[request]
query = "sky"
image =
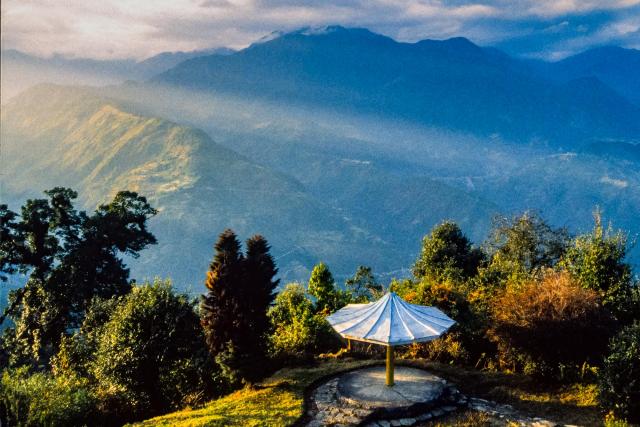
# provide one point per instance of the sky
(110, 29)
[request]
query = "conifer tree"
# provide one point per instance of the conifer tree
(323, 287)
(234, 311)
(219, 307)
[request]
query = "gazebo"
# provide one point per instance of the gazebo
(390, 321)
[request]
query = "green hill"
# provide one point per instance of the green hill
(55, 135)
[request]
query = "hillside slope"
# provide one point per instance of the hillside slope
(55, 135)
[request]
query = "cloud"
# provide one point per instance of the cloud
(121, 28)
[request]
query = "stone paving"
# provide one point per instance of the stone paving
(361, 398)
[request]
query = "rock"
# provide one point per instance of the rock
(384, 423)
(395, 423)
(407, 421)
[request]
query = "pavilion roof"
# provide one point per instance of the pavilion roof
(390, 321)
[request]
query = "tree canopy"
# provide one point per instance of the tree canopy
(69, 258)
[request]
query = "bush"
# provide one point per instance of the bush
(151, 356)
(619, 379)
(297, 330)
(597, 261)
(549, 327)
(465, 342)
(42, 399)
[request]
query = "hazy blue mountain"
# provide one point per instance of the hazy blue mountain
(56, 135)
(318, 206)
(452, 84)
(338, 145)
(617, 67)
(21, 70)
(399, 179)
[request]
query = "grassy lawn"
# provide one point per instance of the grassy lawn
(278, 401)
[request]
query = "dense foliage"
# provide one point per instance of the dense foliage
(135, 355)
(70, 257)
(90, 347)
(323, 288)
(298, 330)
(620, 377)
(549, 326)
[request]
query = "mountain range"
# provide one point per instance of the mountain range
(19, 70)
(452, 84)
(338, 145)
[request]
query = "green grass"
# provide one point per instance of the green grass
(568, 404)
(279, 400)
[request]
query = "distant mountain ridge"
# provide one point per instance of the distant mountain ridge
(339, 145)
(616, 67)
(453, 84)
(21, 70)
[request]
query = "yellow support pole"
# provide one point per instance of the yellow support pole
(390, 363)
(348, 344)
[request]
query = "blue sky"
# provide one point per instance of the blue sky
(549, 29)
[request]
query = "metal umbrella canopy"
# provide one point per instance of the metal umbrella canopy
(390, 321)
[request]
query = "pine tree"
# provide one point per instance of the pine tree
(234, 311)
(220, 306)
(323, 287)
(260, 272)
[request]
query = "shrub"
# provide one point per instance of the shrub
(465, 342)
(548, 326)
(151, 354)
(42, 399)
(619, 379)
(297, 330)
(597, 261)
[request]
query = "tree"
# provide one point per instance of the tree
(150, 355)
(259, 286)
(362, 286)
(447, 254)
(298, 331)
(526, 244)
(597, 261)
(69, 257)
(220, 307)
(322, 286)
(234, 310)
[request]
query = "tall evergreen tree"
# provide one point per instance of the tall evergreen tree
(322, 286)
(260, 270)
(219, 309)
(234, 310)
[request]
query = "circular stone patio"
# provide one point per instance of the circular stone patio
(361, 397)
(412, 386)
